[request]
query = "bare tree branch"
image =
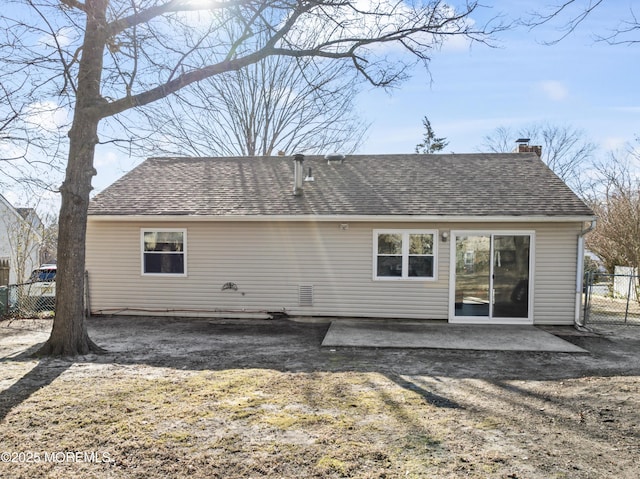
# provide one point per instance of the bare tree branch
(280, 103)
(144, 16)
(565, 149)
(571, 14)
(626, 28)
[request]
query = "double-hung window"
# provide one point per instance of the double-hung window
(404, 254)
(163, 252)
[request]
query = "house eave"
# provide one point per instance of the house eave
(346, 218)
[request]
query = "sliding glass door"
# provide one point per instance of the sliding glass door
(473, 272)
(491, 276)
(511, 276)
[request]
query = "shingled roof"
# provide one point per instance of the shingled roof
(504, 184)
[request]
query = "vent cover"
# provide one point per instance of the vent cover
(334, 158)
(305, 295)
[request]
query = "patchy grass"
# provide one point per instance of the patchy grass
(254, 422)
(221, 400)
(162, 422)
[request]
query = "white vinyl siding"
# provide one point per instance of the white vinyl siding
(270, 261)
(267, 261)
(555, 277)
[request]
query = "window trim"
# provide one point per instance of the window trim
(405, 254)
(184, 251)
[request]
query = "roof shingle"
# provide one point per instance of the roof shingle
(504, 184)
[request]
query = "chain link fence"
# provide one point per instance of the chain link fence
(36, 299)
(27, 300)
(611, 299)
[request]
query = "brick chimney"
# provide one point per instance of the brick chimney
(523, 146)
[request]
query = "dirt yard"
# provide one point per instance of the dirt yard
(194, 398)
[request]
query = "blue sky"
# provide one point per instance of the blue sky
(579, 82)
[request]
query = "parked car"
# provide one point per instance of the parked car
(42, 287)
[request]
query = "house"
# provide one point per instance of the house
(475, 238)
(625, 283)
(20, 240)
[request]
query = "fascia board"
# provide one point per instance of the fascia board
(345, 218)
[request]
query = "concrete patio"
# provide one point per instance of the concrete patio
(441, 335)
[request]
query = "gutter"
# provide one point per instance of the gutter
(342, 218)
(580, 269)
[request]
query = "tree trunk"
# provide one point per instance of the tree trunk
(69, 335)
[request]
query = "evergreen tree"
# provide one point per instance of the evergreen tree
(430, 144)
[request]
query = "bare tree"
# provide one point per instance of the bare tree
(277, 104)
(565, 149)
(29, 138)
(430, 143)
(500, 140)
(616, 202)
(107, 57)
(49, 247)
(570, 14)
(31, 126)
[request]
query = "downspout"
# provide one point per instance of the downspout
(580, 269)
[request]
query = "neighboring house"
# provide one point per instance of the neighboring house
(482, 238)
(625, 283)
(20, 240)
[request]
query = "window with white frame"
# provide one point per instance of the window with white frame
(404, 254)
(163, 251)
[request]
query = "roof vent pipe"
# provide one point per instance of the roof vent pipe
(309, 176)
(336, 158)
(297, 174)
